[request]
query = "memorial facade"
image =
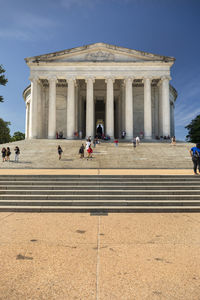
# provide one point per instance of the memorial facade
(76, 90)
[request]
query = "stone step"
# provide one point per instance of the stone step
(99, 192)
(100, 210)
(99, 187)
(75, 197)
(113, 183)
(104, 202)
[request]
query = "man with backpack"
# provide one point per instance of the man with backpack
(195, 154)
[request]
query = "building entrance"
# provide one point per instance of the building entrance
(100, 118)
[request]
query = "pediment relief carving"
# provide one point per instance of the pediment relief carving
(100, 56)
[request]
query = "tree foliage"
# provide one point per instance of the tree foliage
(4, 132)
(3, 79)
(193, 130)
(18, 136)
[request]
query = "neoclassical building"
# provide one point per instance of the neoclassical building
(121, 89)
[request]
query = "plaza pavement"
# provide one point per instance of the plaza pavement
(104, 257)
(118, 256)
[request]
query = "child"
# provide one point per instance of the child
(81, 151)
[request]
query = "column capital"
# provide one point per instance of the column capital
(52, 78)
(146, 78)
(70, 79)
(34, 78)
(107, 79)
(128, 79)
(89, 79)
(165, 78)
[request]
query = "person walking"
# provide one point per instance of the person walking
(195, 154)
(81, 151)
(8, 153)
(17, 153)
(173, 141)
(90, 151)
(134, 143)
(116, 142)
(3, 152)
(60, 151)
(137, 139)
(88, 144)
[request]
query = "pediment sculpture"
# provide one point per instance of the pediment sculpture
(100, 56)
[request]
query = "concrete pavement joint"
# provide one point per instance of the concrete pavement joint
(98, 261)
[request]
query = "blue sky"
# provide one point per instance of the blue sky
(166, 27)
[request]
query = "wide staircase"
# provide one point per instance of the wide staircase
(99, 194)
(42, 154)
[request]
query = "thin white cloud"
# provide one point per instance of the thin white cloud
(91, 3)
(27, 26)
(14, 33)
(188, 106)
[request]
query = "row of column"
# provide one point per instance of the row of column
(32, 117)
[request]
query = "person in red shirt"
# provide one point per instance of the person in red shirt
(90, 151)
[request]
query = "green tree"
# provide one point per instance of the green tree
(4, 132)
(193, 130)
(3, 80)
(18, 136)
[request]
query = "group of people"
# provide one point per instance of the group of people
(5, 152)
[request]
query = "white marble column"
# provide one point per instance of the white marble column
(40, 110)
(129, 108)
(160, 125)
(27, 120)
(156, 112)
(52, 108)
(110, 108)
(33, 109)
(71, 107)
(165, 106)
(76, 106)
(147, 109)
(122, 106)
(89, 107)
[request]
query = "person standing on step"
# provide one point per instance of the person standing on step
(88, 143)
(116, 142)
(17, 153)
(134, 143)
(81, 151)
(3, 152)
(195, 154)
(137, 139)
(60, 151)
(89, 151)
(8, 153)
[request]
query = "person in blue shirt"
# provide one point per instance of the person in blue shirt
(195, 154)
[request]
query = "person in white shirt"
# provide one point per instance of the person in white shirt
(137, 140)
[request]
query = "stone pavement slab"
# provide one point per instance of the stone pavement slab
(118, 256)
(96, 172)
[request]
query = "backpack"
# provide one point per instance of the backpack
(196, 155)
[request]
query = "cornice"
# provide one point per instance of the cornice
(102, 46)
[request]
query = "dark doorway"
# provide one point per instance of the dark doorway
(100, 115)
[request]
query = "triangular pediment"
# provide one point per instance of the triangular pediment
(99, 52)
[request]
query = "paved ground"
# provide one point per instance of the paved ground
(96, 171)
(119, 256)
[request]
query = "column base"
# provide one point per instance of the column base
(148, 137)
